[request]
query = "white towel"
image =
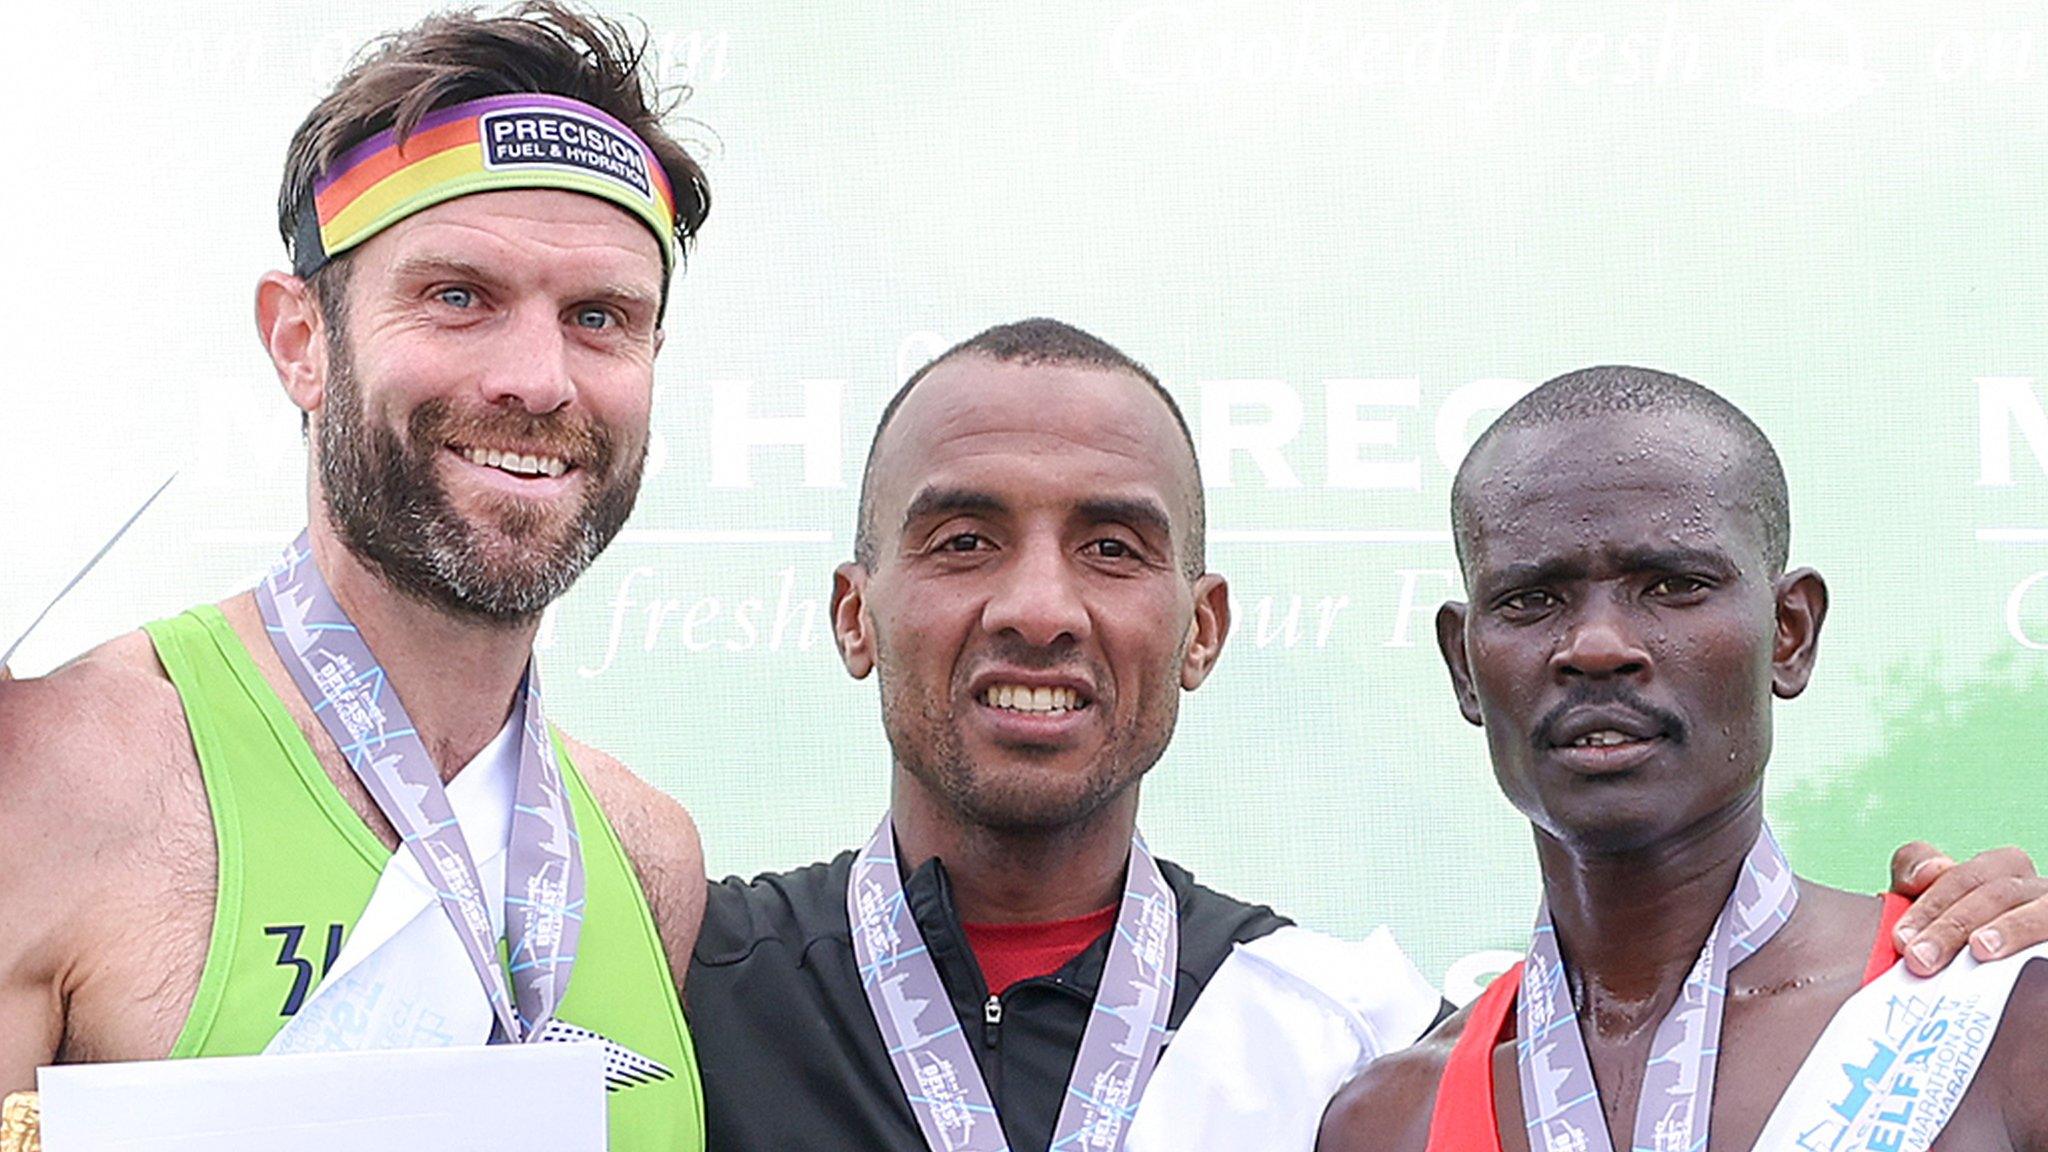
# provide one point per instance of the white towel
(1286, 1021)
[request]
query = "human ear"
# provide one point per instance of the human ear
(1802, 600)
(1450, 641)
(288, 322)
(852, 631)
(1207, 631)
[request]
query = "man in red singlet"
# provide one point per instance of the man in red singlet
(1623, 535)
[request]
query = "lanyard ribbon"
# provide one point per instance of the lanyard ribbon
(1121, 1044)
(333, 667)
(1560, 1101)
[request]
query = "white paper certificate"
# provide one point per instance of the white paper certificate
(546, 1097)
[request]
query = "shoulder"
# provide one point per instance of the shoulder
(792, 910)
(661, 841)
(97, 774)
(93, 740)
(1388, 1106)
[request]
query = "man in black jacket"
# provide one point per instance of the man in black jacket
(1029, 587)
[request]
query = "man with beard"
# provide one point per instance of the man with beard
(1001, 964)
(483, 218)
(1624, 536)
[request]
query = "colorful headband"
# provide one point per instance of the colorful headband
(526, 140)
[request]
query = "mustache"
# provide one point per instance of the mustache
(579, 440)
(1062, 655)
(1544, 735)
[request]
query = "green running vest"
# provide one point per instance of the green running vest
(297, 866)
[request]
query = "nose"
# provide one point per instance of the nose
(1600, 644)
(529, 365)
(1038, 597)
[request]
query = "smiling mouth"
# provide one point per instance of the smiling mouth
(1035, 701)
(513, 463)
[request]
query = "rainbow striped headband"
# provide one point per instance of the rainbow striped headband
(525, 140)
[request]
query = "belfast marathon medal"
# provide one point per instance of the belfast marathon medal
(333, 666)
(1560, 1102)
(1121, 1044)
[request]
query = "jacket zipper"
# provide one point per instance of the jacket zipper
(991, 1019)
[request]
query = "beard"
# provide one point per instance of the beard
(1024, 792)
(387, 503)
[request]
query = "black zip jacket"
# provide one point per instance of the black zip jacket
(792, 1060)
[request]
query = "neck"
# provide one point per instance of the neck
(1630, 924)
(1017, 876)
(457, 677)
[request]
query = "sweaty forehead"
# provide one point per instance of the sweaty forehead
(1065, 427)
(1608, 483)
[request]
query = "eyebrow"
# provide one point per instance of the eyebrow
(1665, 559)
(425, 267)
(1145, 515)
(931, 502)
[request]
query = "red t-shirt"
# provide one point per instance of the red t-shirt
(1008, 953)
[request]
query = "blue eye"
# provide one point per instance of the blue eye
(456, 297)
(595, 319)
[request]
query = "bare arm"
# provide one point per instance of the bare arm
(661, 840)
(1387, 1107)
(31, 1008)
(81, 752)
(2020, 1054)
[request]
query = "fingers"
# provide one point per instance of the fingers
(2018, 929)
(1982, 905)
(1916, 865)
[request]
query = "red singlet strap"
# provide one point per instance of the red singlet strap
(1463, 1119)
(1884, 953)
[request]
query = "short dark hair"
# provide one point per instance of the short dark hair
(1037, 340)
(540, 46)
(1616, 389)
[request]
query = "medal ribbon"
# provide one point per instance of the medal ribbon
(1559, 1098)
(1894, 1064)
(1119, 1048)
(333, 667)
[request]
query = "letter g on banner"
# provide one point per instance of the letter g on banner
(2029, 594)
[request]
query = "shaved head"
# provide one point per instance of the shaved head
(1026, 343)
(1593, 393)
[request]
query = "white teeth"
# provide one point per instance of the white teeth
(1020, 698)
(514, 463)
(1605, 738)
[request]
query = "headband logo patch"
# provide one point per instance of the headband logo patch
(522, 138)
